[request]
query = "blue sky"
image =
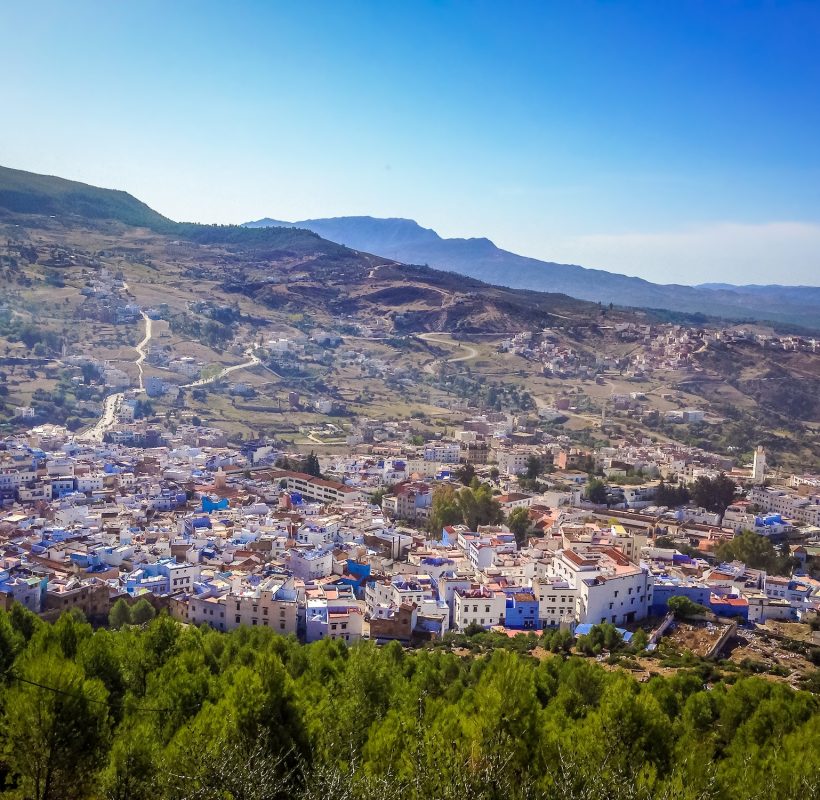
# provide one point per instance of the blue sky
(678, 141)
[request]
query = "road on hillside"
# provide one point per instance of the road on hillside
(112, 402)
(252, 361)
(431, 337)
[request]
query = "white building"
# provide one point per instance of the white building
(609, 587)
(443, 452)
(482, 606)
(311, 564)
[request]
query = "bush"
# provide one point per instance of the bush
(684, 608)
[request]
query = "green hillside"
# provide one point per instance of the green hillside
(46, 195)
(29, 193)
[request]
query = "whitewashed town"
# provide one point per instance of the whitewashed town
(399, 541)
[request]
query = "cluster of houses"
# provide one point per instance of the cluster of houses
(658, 348)
(220, 535)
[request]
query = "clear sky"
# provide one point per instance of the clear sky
(678, 141)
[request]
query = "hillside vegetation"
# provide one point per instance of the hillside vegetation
(46, 195)
(171, 711)
(405, 240)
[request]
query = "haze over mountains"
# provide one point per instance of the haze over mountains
(407, 241)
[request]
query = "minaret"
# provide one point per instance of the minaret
(759, 465)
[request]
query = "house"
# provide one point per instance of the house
(521, 611)
(409, 500)
(397, 626)
(480, 605)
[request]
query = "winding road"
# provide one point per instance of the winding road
(251, 362)
(141, 347)
(112, 402)
(431, 337)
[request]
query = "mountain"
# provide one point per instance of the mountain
(282, 267)
(405, 240)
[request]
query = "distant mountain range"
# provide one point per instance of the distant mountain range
(407, 241)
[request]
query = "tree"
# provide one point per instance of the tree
(55, 726)
(518, 522)
(600, 637)
(131, 771)
(23, 621)
(478, 506)
(639, 640)
(312, 465)
(596, 492)
(377, 496)
(714, 494)
(684, 608)
(533, 467)
(120, 614)
(444, 509)
(11, 641)
(755, 551)
(466, 473)
(142, 612)
(671, 495)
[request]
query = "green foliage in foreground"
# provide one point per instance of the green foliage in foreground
(167, 711)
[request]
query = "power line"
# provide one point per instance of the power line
(56, 690)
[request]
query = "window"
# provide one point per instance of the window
(265, 611)
(610, 606)
(616, 593)
(237, 619)
(282, 625)
(253, 621)
(487, 609)
(237, 605)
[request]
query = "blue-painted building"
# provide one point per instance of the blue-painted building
(209, 505)
(356, 575)
(522, 610)
(664, 590)
(729, 607)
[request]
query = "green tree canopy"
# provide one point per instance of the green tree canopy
(518, 521)
(714, 494)
(596, 491)
(755, 551)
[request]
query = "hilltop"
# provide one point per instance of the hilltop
(329, 276)
(406, 240)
